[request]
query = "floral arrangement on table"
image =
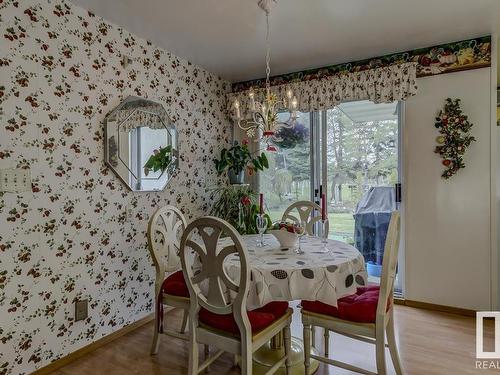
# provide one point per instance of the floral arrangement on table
(235, 159)
(454, 139)
(284, 226)
(287, 233)
(160, 160)
(288, 138)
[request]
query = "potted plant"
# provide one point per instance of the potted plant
(235, 159)
(288, 138)
(160, 160)
(238, 207)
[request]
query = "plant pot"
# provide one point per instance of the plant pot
(236, 179)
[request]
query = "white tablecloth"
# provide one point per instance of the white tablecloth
(316, 275)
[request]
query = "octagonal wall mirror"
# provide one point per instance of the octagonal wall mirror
(141, 144)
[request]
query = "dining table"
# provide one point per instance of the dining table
(323, 271)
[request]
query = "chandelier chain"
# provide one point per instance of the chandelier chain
(268, 55)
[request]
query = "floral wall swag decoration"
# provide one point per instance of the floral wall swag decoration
(454, 139)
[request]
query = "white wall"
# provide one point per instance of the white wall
(448, 251)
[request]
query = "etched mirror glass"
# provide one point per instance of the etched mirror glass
(141, 144)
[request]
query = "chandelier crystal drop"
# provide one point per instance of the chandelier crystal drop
(264, 115)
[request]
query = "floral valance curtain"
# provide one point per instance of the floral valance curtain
(380, 85)
(130, 119)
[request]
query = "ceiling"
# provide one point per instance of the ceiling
(227, 36)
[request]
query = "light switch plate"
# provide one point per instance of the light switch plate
(15, 180)
(81, 309)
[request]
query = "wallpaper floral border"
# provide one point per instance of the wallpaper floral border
(445, 58)
(80, 232)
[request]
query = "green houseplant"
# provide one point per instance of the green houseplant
(160, 160)
(238, 206)
(235, 159)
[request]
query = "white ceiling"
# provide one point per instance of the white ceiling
(227, 36)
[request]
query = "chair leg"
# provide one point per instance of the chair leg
(380, 349)
(206, 352)
(313, 336)
(246, 362)
(326, 336)
(184, 321)
(156, 334)
(307, 349)
(287, 337)
(391, 340)
(193, 353)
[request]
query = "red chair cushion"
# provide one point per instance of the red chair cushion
(360, 307)
(259, 318)
(175, 285)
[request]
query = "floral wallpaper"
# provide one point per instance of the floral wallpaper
(80, 233)
(444, 58)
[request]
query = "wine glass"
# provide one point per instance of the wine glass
(261, 223)
(324, 233)
(241, 219)
(300, 229)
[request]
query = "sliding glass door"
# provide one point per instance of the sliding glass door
(352, 154)
(361, 174)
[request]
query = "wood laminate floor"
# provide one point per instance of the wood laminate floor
(430, 343)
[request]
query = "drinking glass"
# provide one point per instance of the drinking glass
(261, 223)
(300, 230)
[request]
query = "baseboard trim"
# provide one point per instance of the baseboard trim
(57, 364)
(434, 307)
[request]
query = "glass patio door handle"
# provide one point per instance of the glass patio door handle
(397, 189)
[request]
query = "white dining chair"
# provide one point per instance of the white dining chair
(367, 316)
(164, 231)
(220, 320)
(304, 211)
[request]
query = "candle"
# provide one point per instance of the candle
(261, 203)
(237, 107)
(294, 106)
(323, 206)
(251, 94)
